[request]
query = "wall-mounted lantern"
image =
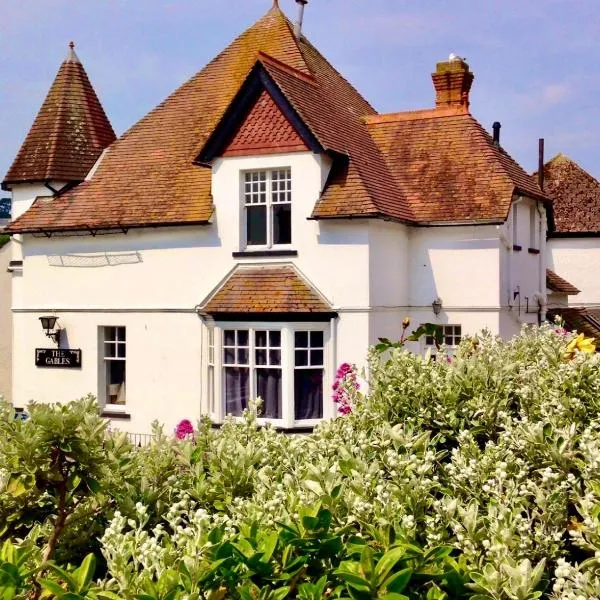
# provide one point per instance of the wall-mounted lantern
(437, 306)
(49, 324)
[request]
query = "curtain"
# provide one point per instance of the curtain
(268, 387)
(308, 393)
(237, 383)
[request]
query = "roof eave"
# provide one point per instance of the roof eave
(94, 229)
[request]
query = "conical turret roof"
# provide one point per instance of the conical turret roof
(69, 132)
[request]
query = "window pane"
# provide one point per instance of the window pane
(243, 354)
(308, 393)
(261, 357)
(260, 339)
(229, 337)
(115, 381)
(211, 389)
(121, 334)
(256, 225)
(242, 337)
(275, 339)
(301, 339)
(268, 388)
(448, 340)
(109, 334)
(301, 358)
(109, 350)
(282, 224)
(121, 350)
(429, 340)
(229, 356)
(274, 357)
(237, 390)
(316, 358)
(316, 339)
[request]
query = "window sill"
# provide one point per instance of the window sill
(297, 429)
(111, 414)
(517, 248)
(264, 253)
(533, 251)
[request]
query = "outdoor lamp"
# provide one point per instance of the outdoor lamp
(49, 323)
(437, 306)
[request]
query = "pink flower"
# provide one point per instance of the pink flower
(184, 429)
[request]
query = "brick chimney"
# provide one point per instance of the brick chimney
(452, 81)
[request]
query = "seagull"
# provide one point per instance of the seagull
(454, 58)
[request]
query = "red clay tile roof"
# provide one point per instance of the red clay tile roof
(449, 167)
(148, 177)
(556, 283)
(428, 166)
(266, 289)
(69, 133)
(575, 194)
(582, 320)
(265, 130)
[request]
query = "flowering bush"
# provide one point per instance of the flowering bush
(478, 478)
(184, 429)
(345, 388)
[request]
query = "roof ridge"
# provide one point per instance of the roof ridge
(501, 153)
(411, 115)
(270, 60)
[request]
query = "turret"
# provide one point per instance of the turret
(69, 134)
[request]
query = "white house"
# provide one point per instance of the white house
(574, 242)
(260, 226)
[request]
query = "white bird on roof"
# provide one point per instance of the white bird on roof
(454, 57)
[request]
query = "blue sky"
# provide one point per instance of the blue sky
(535, 61)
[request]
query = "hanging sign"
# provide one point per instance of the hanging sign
(58, 358)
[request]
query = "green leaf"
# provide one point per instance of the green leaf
(398, 581)
(387, 562)
(392, 596)
(280, 594)
(71, 583)
(354, 580)
(366, 563)
(51, 586)
(85, 572)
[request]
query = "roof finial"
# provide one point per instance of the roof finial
(72, 57)
(275, 3)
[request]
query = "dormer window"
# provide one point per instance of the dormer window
(268, 208)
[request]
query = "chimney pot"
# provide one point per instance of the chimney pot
(496, 128)
(298, 25)
(452, 81)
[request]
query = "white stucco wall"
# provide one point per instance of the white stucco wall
(523, 270)
(5, 324)
(460, 265)
(151, 280)
(578, 261)
(162, 369)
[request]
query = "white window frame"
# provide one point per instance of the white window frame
(288, 330)
(515, 224)
(269, 203)
(534, 242)
(450, 348)
(104, 359)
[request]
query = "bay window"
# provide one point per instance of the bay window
(268, 207)
(282, 364)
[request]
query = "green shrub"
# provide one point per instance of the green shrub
(475, 477)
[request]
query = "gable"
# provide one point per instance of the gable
(265, 130)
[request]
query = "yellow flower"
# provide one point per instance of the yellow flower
(406, 323)
(582, 344)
